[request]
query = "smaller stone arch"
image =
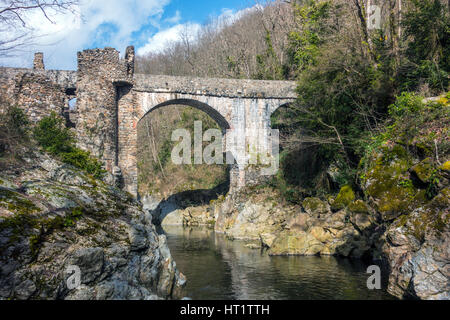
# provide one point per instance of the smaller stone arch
(278, 108)
(282, 104)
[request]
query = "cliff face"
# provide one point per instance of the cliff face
(54, 220)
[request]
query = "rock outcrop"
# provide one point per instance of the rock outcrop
(310, 229)
(54, 220)
(251, 215)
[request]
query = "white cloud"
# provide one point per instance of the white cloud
(175, 19)
(112, 22)
(160, 40)
(70, 33)
(165, 37)
(229, 16)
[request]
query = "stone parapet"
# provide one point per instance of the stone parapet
(64, 78)
(229, 88)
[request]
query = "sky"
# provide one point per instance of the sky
(146, 24)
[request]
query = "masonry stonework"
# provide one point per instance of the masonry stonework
(96, 125)
(38, 63)
(38, 95)
(111, 100)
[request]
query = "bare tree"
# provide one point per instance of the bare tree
(16, 31)
(227, 47)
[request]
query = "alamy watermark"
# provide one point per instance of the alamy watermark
(243, 146)
(74, 280)
(374, 17)
(374, 281)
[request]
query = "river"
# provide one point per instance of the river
(220, 269)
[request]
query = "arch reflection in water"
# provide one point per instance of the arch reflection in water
(217, 268)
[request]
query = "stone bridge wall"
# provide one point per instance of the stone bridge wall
(38, 92)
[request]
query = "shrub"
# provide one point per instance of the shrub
(82, 159)
(14, 129)
(55, 138)
(406, 103)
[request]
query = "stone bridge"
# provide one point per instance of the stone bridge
(111, 100)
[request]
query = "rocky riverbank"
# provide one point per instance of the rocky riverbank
(399, 220)
(52, 216)
(398, 223)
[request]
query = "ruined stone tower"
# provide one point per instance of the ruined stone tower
(100, 72)
(38, 63)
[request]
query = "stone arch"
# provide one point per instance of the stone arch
(278, 108)
(232, 170)
(283, 104)
(213, 113)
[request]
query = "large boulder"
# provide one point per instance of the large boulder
(296, 243)
(255, 217)
(418, 251)
(387, 182)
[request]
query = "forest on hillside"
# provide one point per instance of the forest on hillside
(357, 82)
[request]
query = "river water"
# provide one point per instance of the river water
(220, 269)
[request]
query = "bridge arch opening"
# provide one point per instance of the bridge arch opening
(299, 148)
(210, 111)
(178, 187)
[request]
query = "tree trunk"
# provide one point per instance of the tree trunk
(365, 28)
(399, 19)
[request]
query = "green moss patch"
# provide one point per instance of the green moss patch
(16, 203)
(445, 166)
(315, 206)
(389, 184)
(424, 170)
(358, 206)
(344, 198)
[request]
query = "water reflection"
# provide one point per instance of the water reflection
(217, 268)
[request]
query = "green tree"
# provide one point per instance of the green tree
(427, 32)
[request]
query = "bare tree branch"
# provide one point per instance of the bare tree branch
(15, 31)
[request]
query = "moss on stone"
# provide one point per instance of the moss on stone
(312, 203)
(401, 221)
(445, 166)
(428, 219)
(394, 153)
(16, 203)
(315, 206)
(424, 170)
(399, 200)
(35, 244)
(358, 206)
(388, 183)
(442, 200)
(344, 198)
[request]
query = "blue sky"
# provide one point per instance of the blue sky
(197, 12)
(146, 24)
